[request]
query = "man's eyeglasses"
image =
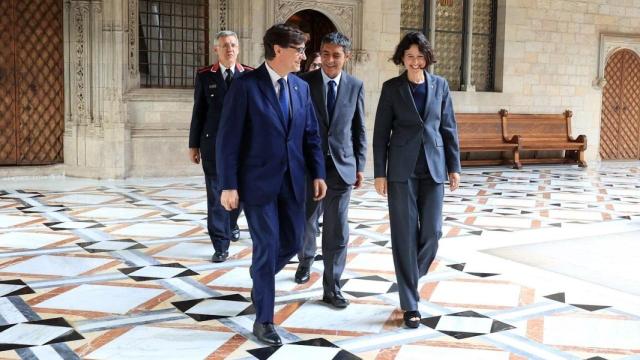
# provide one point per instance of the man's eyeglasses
(299, 49)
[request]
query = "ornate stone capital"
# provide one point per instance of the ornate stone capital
(360, 56)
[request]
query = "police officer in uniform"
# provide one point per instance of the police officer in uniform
(212, 84)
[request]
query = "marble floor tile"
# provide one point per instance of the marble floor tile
(178, 193)
(414, 352)
(56, 265)
(155, 230)
(113, 213)
(592, 332)
(7, 221)
(30, 240)
(356, 317)
(86, 199)
(101, 298)
(476, 293)
(157, 343)
(535, 263)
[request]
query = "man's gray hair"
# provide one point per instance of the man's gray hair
(225, 33)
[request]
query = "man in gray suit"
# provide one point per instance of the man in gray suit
(338, 99)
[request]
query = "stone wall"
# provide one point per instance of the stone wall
(550, 57)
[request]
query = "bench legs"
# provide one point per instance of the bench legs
(516, 159)
(576, 156)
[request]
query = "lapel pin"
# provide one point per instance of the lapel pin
(295, 87)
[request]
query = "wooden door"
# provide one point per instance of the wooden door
(620, 128)
(31, 82)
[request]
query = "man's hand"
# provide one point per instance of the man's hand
(319, 189)
(454, 181)
(359, 179)
(230, 199)
(194, 155)
(380, 184)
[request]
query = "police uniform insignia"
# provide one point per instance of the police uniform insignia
(213, 86)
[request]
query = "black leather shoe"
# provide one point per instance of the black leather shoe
(266, 333)
(235, 234)
(302, 274)
(336, 300)
(412, 319)
(220, 256)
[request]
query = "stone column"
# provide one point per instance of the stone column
(432, 25)
(468, 42)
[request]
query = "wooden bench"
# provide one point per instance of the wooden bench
(546, 132)
(486, 133)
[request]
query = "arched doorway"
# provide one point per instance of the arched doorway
(313, 23)
(620, 127)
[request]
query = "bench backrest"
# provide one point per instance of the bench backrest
(539, 126)
(478, 127)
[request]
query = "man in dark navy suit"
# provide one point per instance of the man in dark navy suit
(268, 136)
(212, 84)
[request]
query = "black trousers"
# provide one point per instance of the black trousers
(220, 222)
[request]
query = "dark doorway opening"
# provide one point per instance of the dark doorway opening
(316, 25)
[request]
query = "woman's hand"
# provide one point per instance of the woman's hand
(380, 184)
(454, 181)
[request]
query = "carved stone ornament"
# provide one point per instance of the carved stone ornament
(133, 38)
(360, 56)
(80, 14)
(341, 15)
(609, 44)
(222, 10)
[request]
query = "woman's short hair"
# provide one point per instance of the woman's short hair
(414, 38)
(283, 36)
(310, 59)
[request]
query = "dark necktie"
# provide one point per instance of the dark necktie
(283, 98)
(228, 78)
(331, 98)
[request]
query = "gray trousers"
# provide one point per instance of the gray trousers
(335, 228)
(415, 213)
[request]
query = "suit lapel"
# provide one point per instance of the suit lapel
(340, 97)
(318, 93)
(266, 87)
(429, 100)
(296, 102)
(405, 93)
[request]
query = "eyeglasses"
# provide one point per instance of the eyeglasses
(300, 50)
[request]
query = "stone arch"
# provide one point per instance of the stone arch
(345, 15)
(610, 44)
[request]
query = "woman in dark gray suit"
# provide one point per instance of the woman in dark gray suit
(415, 149)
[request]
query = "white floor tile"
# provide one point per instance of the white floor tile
(101, 298)
(154, 230)
(115, 213)
(32, 334)
(29, 240)
(154, 343)
(356, 317)
(56, 265)
(465, 324)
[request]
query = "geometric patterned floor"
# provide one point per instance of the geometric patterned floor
(534, 264)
